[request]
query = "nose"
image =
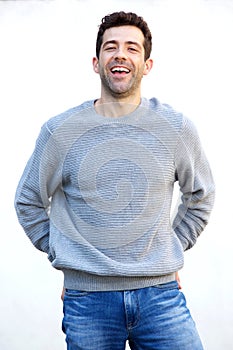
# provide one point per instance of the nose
(120, 54)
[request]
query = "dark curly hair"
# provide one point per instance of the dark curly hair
(122, 18)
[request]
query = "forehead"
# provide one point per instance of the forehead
(125, 33)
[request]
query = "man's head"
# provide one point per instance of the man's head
(122, 56)
(118, 19)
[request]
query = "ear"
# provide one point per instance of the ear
(148, 66)
(95, 64)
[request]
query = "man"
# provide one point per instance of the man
(96, 197)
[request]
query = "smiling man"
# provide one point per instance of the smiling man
(96, 196)
(121, 64)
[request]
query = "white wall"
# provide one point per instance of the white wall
(45, 68)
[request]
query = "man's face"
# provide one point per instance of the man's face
(121, 63)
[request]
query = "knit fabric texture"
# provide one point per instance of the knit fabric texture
(96, 195)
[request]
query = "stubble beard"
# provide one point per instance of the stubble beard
(121, 90)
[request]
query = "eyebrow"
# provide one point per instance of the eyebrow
(129, 42)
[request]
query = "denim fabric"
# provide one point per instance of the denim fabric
(153, 318)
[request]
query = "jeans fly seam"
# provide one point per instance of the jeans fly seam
(131, 309)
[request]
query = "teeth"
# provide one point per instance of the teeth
(120, 69)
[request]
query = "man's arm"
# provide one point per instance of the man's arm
(31, 210)
(196, 185)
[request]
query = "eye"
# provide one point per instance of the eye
(110, 48)
(132, 49)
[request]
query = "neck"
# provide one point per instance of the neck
(109, 106)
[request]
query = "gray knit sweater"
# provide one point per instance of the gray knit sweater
(96, 195)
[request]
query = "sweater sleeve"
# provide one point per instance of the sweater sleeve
(32, 210)
(196, 185)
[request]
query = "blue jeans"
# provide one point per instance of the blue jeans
(153, 318)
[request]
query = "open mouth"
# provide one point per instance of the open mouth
(120, 70)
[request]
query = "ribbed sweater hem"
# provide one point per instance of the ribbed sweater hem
(83, 281)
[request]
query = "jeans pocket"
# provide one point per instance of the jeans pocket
(73, 293)
(167, 286)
